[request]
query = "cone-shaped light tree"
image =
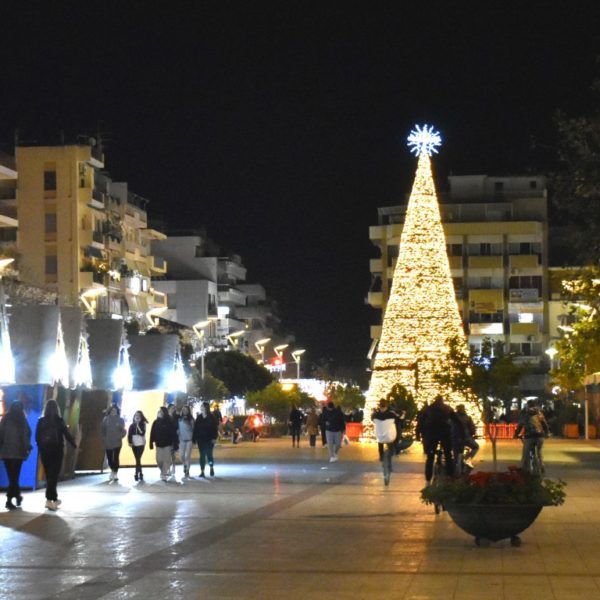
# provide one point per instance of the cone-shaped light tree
(421, 314)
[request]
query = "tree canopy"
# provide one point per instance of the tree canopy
(277, 402)
(347, 397)
(239, 373)
(209, 389)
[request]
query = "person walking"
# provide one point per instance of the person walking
(174, 415)
(312, 426)
(435, 428)
(335, 427)
(163, 435)
(15, 446)
(295, 424)
(463, 436)
(206, 431)
(535, 429)
(386, 432)
(185, 426)
(113, 432)
(136, 436)
(322, 427)
(50, 435)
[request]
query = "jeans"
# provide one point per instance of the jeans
(13, 470)
(528, 445)
(185, 452)
(206, 455)
(112, 456)
(429, 445)
(295, 431)
(312, 440)
(334, 441)
(163, 460)
(52, 462)
(137, 453)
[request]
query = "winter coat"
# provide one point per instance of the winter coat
(205, 429)
(15, 440)
(113, 431)
(296, 418)
(135, 429)
(185, 430)
(334, 419)
(163, 433)
(312, 423)
(384, 422)
(51, 433)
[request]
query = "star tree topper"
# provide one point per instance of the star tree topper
(424, 139)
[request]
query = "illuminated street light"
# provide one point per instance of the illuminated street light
(88, 298)
(279, 352)
(234, 338)
(153, 313)
(260, 346)
(551, 352)
(199, 328)
(297, 356)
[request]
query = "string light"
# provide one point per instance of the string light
(421, 314)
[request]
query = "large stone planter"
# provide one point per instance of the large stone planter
(493, 522)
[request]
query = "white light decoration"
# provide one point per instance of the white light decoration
(176, 379)
(7, 363)
(424, 140)
(122, 377)
(58, 363)
(421, 315)
(82, 375)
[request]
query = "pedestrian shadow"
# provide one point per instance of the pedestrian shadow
(587, 459)
(50, 527)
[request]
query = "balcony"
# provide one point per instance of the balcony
(229, 295)
(8, 168)
(158, 264)
(486, 328)
(456, 262)
(376, 265)
(526, 329)
(523, 295)
(485, 262)
(486, 300)
(159, 299)
(375, 299)
(231, 270)
(95, 239)
(524, 261)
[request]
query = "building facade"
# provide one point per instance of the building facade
(82, 234)
(496, 232)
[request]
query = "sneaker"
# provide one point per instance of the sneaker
(10, 505)
(51, 505)
(202, 475)
(163, 477)
(115, 476)
(111, 477)
(212, 472)
(19, 500)
(58, 502)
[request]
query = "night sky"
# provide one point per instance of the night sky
(280, 127)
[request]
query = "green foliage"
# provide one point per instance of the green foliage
(402, 400)
(209, 389)
(239, 373)
(276, 402)
(490, 378)
(346, 397)
(507, 488)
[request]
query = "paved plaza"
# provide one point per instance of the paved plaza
(278, 522)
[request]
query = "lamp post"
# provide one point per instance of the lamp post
(551, 352)
(234, 338)
(153, 313)
(297, 356)
(260, 346)
(199, 328)
(88, 298)
(279, 352)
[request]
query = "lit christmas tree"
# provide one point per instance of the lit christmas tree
(421, 314)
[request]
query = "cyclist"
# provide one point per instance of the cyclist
(434, 427)
(535, 428)
(384, 420)
(463, 436)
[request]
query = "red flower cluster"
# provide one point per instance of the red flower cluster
(482, 479)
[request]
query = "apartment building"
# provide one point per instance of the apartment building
(82, 234)
(8, 205)
(497, 239)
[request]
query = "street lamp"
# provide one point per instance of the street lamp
(279, 352)
(297, 356)
(551, 352)
(154, 312)
(199, 328)
(260, 346)
(234, 338)
(88, 298)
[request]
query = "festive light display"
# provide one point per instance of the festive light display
(176, 379)
(123, 377)
(421, 314)
(58, 363)
(424, 139)
(82, 375)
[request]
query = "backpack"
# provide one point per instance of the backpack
(534, 425)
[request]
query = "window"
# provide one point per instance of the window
(51, 264)
(50, 223)
(454, 249)
(485, 282)
(50, 180)
(533, 185)
(498, 186)
(82, 175)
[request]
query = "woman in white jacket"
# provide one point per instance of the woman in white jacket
(384, 422)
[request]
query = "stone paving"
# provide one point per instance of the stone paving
(279, 522)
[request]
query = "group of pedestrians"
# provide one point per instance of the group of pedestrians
(171, 432)
(15, 446)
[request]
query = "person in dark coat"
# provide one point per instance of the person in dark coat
(164, 436)
(335, 427)
(435, 427)
(295, 424)
(50, 435)
(206, 432)
(15, 446)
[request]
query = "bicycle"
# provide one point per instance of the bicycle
(533, 462)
